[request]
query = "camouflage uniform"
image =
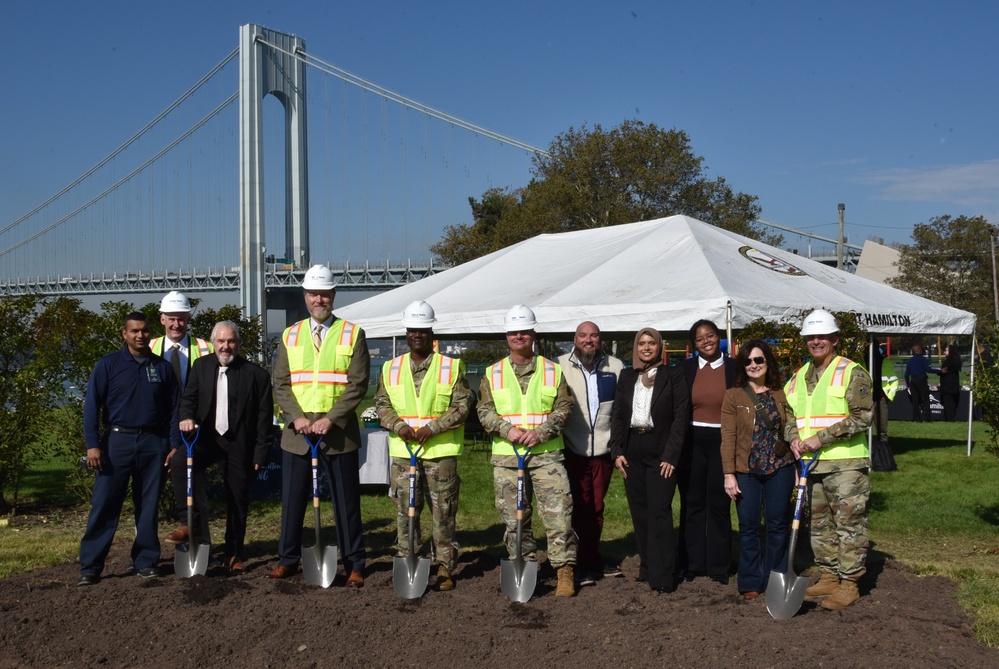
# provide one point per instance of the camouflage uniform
(839, 489)
(437, 478)
(544, 475)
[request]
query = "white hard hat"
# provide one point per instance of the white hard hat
(419, 315)
(819, 322)
(174, 303)
(319, 277)
(519, 318)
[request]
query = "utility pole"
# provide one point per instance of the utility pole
(995, 285)
(839, 245)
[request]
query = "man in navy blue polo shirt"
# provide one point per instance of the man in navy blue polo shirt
(129, 424)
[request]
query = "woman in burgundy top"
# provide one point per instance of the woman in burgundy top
(705, 508)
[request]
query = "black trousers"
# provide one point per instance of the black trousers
(650, 499)
(705, 509)
(296, 495)
(919, 395)
(237, 475)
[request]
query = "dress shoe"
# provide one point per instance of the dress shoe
(641, 579)
(751, 595)
(178, 536)
(236, 566)
(355, 580)
(282, 571)
(665, 589)
(88, 579)
(721, 579)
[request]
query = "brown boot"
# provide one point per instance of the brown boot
(445, 581)
(825, 586)
(566, 584)
(845, 595)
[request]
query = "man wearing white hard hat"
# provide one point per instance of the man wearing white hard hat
(423, 399)
(180, 349)
(177, 347)
(524, 402)
(831, 402)
(320, 376)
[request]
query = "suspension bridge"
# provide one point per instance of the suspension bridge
(252, 175)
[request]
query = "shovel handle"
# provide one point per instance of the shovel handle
(189, 445)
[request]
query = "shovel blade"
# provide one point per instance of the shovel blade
(319, 565)
(410, 576)
(785, 594)
(191, 559)
(518, 578)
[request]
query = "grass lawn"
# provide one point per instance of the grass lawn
(938, 514)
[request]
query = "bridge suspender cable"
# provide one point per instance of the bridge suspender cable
(127, 143)
(372, 87)
(232, 98)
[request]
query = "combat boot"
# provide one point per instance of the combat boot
(825, 586)
(445, 581)
(566, 583)
(845, 595)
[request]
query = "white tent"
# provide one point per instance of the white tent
(665, 274)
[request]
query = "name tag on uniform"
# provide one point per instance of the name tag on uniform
(153, 374)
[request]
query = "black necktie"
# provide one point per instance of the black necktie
(173, 357)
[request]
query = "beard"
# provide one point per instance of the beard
(587, 358)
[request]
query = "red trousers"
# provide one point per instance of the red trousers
(589, 479)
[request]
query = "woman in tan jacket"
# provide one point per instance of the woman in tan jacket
(757, 463)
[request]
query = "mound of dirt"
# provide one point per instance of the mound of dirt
(219, 620)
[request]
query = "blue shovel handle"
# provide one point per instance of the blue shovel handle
(412, 473)
(189, 445)
(314, 445)
(802, 482)
(521, 459)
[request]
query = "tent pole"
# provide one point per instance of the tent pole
(971, 388)
(728, 326)
(870, 370)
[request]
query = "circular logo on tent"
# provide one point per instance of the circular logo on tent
(770, 262)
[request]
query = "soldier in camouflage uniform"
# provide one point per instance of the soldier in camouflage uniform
(423, 398)
(832, 402)
(524, 403)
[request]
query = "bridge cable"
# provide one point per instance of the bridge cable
(160, 154)
(399, 98)
(128, 142)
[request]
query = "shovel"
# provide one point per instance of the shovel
(191, 559)
(318, 563)
(410, 573)
(786, 590)
(518, 577)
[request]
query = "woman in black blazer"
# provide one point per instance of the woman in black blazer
(705, 508)
(647, 429)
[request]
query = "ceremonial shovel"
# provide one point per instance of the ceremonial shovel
(318, 563)
(786, 590)
(518, 577)
(410, 573)
(191, 559)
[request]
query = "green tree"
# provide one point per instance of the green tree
(597, 178)
(949, 262)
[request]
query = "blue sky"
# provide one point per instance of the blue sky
(889, 107)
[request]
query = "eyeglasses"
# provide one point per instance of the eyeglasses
(758, 360)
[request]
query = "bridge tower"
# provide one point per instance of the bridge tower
(267, 66)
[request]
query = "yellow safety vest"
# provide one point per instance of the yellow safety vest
(529, 409)
(825, 407)
(418, 410)
(318, 381)
(201, 348)
(889, 384)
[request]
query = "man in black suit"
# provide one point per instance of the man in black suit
(230, 398)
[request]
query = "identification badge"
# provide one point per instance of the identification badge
(153, 374)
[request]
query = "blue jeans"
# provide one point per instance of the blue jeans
(773, 494)
(135, 457)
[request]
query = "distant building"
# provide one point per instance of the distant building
(878, 262)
